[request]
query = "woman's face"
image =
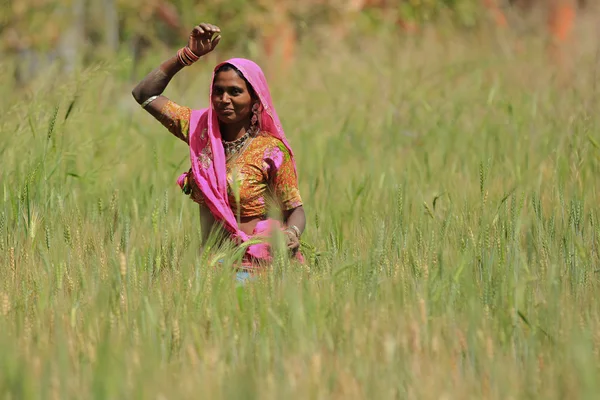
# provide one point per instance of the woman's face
(231, 98)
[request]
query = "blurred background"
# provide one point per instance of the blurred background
(72, 33)
(448, 157)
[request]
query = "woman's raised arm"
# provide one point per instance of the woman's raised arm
(148, 93)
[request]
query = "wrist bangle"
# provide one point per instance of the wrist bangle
(186, 56)
(181, 58)
(148, 101)
(294, 228)
(190, 54)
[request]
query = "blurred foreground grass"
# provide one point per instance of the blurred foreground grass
(452, 197)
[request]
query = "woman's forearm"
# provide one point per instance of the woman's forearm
(297, 218)
(202, 40)
(156, 81)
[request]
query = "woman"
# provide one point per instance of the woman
(241, 160)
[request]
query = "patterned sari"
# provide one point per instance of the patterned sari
(264, 174)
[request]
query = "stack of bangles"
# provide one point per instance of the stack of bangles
(294, 230)
(186, 56)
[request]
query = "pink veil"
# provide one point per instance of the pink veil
(208, 158)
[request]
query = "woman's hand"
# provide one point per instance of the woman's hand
(201, 39)
(295, 220)
(293, 241)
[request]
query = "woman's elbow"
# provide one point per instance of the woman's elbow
(137, 94)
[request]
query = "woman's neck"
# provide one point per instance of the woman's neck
(230, 132)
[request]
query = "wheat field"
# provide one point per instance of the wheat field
(452, 242)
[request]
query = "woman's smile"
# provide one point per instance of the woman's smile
(226, 111)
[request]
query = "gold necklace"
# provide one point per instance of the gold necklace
(236, 145)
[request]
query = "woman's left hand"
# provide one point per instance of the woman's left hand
(293, 241)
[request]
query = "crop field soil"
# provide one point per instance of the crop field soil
(452, 241)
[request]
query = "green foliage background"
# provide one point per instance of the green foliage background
(38, 23)
(451, 189)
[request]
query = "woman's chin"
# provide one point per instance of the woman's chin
(226, 118)
(223, 119)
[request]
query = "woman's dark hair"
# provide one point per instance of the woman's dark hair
(229, 67)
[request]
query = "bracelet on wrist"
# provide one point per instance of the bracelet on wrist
(186, 56)
(294, 229)
(148, 101)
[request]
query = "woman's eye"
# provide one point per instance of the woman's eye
(236, 92)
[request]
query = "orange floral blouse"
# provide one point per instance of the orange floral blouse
(264, 172)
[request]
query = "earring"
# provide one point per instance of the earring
(254, 120)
